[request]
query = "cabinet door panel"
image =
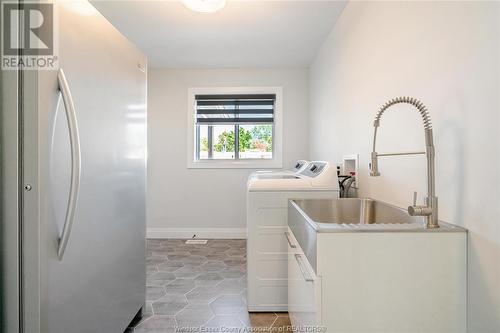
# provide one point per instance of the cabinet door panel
(304, 289)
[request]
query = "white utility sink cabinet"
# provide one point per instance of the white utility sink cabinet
(369, 281)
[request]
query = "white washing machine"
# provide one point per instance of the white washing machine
(297, 167)
(267, 244)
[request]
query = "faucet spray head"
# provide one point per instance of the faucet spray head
(374, 165)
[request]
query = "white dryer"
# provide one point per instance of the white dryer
(297, 167)
(267, 244)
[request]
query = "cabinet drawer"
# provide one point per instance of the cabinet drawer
(304, 290)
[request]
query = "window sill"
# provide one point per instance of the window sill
(221, 164)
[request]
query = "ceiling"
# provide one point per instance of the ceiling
(273, 33)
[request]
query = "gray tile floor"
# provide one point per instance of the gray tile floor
(193, 286)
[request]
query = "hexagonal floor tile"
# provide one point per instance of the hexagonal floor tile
(199, 251)
(169, 305)
(235, 261)
(261, 319)
(282, 324)
(243, 295)
(170, 266)
(208, 279)
(188, 271)
(158, 254)
(154, 293)
(179, 286)
(223, 323)
(154, 260)
(232, 273)
(218, 246)
(194, 315)
(194, 260)
(230, 286)
(227, 305)
(169, 249)
(157, 324)
(202, 294)
(153, 246)
(151, 268)
(213, 266)
(159, 279)
(201, 289)
(178, 256)
(217, 256)
(236, 252)
(221, 249)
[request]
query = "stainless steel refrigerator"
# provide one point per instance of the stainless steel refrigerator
(73, 182)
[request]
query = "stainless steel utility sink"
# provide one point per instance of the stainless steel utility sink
(354, 211)
(308, 218)
(357, 214)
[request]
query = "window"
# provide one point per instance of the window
(238, 129)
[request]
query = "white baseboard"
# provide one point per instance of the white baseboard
(207, 233)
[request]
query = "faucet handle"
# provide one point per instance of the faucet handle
(414, 210)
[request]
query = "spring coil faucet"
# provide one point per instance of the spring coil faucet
(430, 209)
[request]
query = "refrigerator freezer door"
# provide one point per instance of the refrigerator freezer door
(99, 283)
(9, 202)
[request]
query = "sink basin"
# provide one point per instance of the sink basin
(359, 214)
(309, 218)
(354, 211)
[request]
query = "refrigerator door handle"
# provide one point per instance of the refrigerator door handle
(74, 138)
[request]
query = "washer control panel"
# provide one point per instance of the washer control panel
(314, 169)
(299, 166)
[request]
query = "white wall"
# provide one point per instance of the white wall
(446, 54)
(197, 199)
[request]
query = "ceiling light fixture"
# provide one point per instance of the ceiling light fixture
(204, 6)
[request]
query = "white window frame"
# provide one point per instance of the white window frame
(275, 163)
